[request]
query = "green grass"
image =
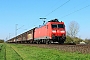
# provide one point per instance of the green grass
(11, 54)
(2, 51)
(35, 53)
(7, 53)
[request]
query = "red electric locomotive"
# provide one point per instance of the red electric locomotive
(52, 31)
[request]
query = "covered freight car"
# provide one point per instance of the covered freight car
(26, 37)
(30, 35)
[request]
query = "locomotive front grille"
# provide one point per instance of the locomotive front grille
(58, 38)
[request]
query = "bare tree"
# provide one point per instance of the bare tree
(73, 29)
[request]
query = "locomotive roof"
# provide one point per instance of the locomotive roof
(54, 20)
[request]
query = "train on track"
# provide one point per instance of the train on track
(52, 31)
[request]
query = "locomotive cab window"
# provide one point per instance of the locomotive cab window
(58, 25)
(61, 25)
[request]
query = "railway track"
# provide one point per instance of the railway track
(69, 48)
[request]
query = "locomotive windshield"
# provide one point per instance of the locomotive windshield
(58, 26)
(61, 25)
(54, 26)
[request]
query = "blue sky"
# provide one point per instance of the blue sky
(28, 12)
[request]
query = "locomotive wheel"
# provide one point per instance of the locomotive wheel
(36, 42)
(48, 42)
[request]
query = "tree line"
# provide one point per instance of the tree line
(1, 41)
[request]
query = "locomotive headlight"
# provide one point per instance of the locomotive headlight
(62, 31)
(54, 31)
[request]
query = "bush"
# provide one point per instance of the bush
(68, 39)
(87, 41)
(75, 40)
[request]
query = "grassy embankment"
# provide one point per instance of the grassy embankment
(35, 53)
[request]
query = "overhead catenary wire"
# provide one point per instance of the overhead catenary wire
(77, 5)
(75, 11)
(57, 8)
